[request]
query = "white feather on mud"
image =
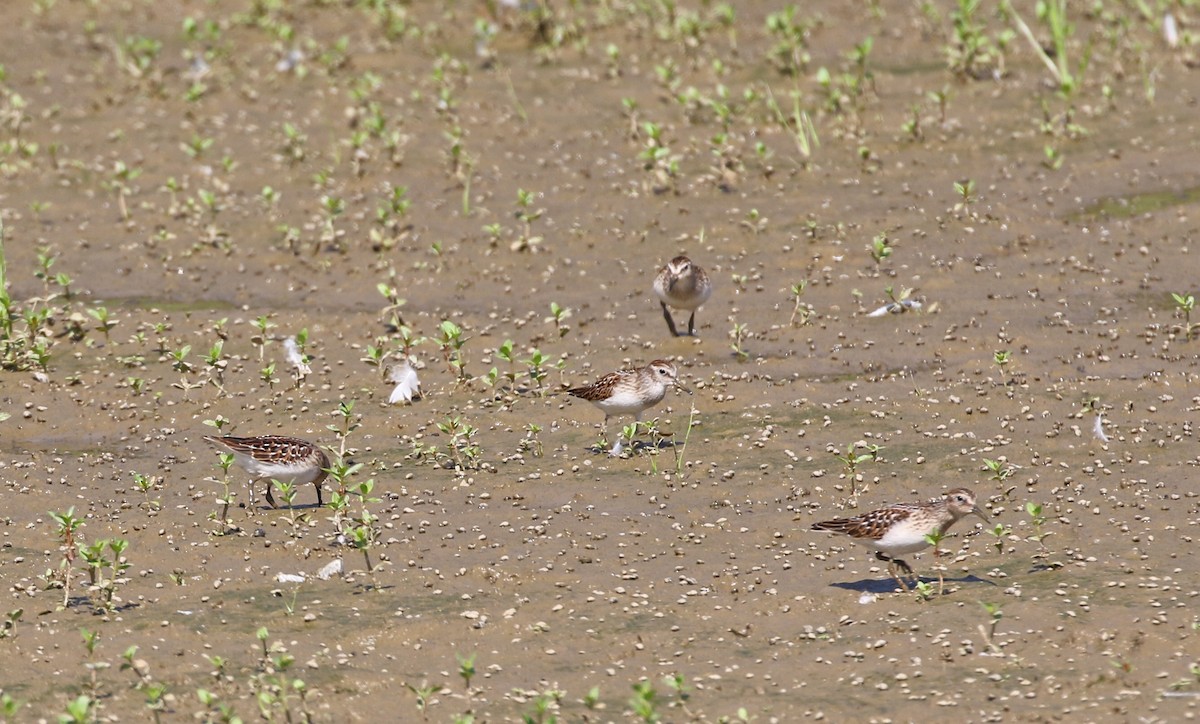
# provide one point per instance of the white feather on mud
(295, 357)
(407, 384)
(1098, 429)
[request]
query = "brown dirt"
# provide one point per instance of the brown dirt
(568, 570)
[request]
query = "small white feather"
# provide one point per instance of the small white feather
(330, 569)
(1170, 31)
(895, 308)
(1098, 429)
(294, 357)
(407, 384)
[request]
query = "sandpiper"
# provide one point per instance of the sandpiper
(682, 285)
(630, 392)
(901, 528)
(275, 457)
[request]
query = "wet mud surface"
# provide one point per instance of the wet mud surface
(214, 178)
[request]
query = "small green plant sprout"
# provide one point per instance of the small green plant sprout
(91, 639)
(155, 692)
(451, 343)
(912, 127)
(627, 435)
(966, 196)
(526, 214)
(755, 222)
(425, 693)
(1000, 531)
(147, 484)
(466, 670)
(935, 539)
(643, 702)
(881, 248)
(119, 182)
(546, 704)
(790, 33)
(1185, 304)
(988, 631)
(659, 161)
(506, 352)
(1002, 358)
(390, 314)
(970, 53)
(532, 441)
(463, 453)
(8, 629)
(998, 470)
(79, 711)
(103, 322)
(1038, 520)
(216, 363)
(333, 206)
(102, 555)
(1052, 158)
(66, 528)
(536, 367)
(494, 232)
(224, 461)
(739, 333)
(262, 326)
(361, 531)
(267, 375)
(800, 309)
(9, 707)
(592, 698)
(559, 315)
(45, 259)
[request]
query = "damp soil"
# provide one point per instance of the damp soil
(196, 167)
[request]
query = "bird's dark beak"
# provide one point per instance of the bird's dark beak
(979, 511)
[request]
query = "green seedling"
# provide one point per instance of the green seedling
(880, 248)
(800, 308)
(966, 196)
(532, 442)
(424, 693)
(451, 343)
(1038, 520)
(67, 526)
(224, 461)
(643, 702)
(739, 333)
(1000, 531)
(989, 632)
(535, 365)
(8, 629)
(998, 470)
(146, 484)
(559, 315)
(1002, 358)
(1186, 304)
(466, 670)
(790, 33)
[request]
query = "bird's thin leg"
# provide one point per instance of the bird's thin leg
(270, 498)
(317, 485)
(893, 564)
(670, 320)
(692, 324)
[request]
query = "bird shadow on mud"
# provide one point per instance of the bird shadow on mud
(888, 585)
